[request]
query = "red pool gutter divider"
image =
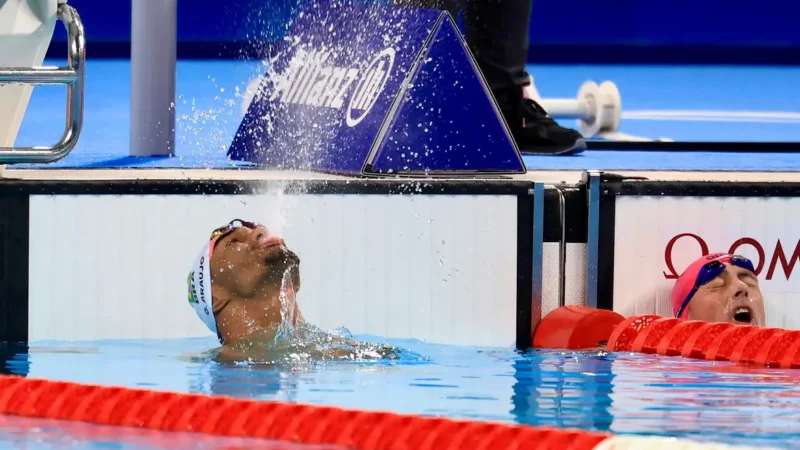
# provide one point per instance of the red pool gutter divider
(580, 327)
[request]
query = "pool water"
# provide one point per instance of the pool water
(20, 432)
(619, 393)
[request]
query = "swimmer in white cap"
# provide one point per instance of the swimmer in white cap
(249, 269)
(243, 286)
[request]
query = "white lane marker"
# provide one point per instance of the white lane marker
(713, 116)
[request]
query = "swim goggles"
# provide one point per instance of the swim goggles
(224, 230)
(712, 270)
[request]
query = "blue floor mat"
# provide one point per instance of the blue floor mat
(661, 102)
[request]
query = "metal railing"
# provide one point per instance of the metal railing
(72, 76)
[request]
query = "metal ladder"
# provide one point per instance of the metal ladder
(72, 76)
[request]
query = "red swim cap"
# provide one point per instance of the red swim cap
(688, 278)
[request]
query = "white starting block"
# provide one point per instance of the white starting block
(26, 29)
(598, 108)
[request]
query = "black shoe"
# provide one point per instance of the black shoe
(536, 132)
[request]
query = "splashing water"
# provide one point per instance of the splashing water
(288, 306)
(302, 344)
(290, 342)
(307, 343)
(277, 201)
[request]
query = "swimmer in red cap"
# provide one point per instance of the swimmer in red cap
(719, 288)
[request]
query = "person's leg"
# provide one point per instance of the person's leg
(453, 6)
(497, 34)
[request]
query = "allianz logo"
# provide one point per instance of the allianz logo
(310, 80)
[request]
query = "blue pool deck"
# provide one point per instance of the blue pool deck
(692, 103)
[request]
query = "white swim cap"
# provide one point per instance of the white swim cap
(199, 279)
(199, 282)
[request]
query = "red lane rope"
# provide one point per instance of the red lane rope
(581, 327)
(667, 336)
(290, 422)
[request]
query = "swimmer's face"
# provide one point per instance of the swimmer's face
(250, 263)
(733, 296)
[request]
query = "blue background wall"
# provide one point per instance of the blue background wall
(573, 31)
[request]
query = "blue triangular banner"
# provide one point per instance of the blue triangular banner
(447, 120)
(400, 96)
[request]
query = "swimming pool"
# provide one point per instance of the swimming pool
(619, 393)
